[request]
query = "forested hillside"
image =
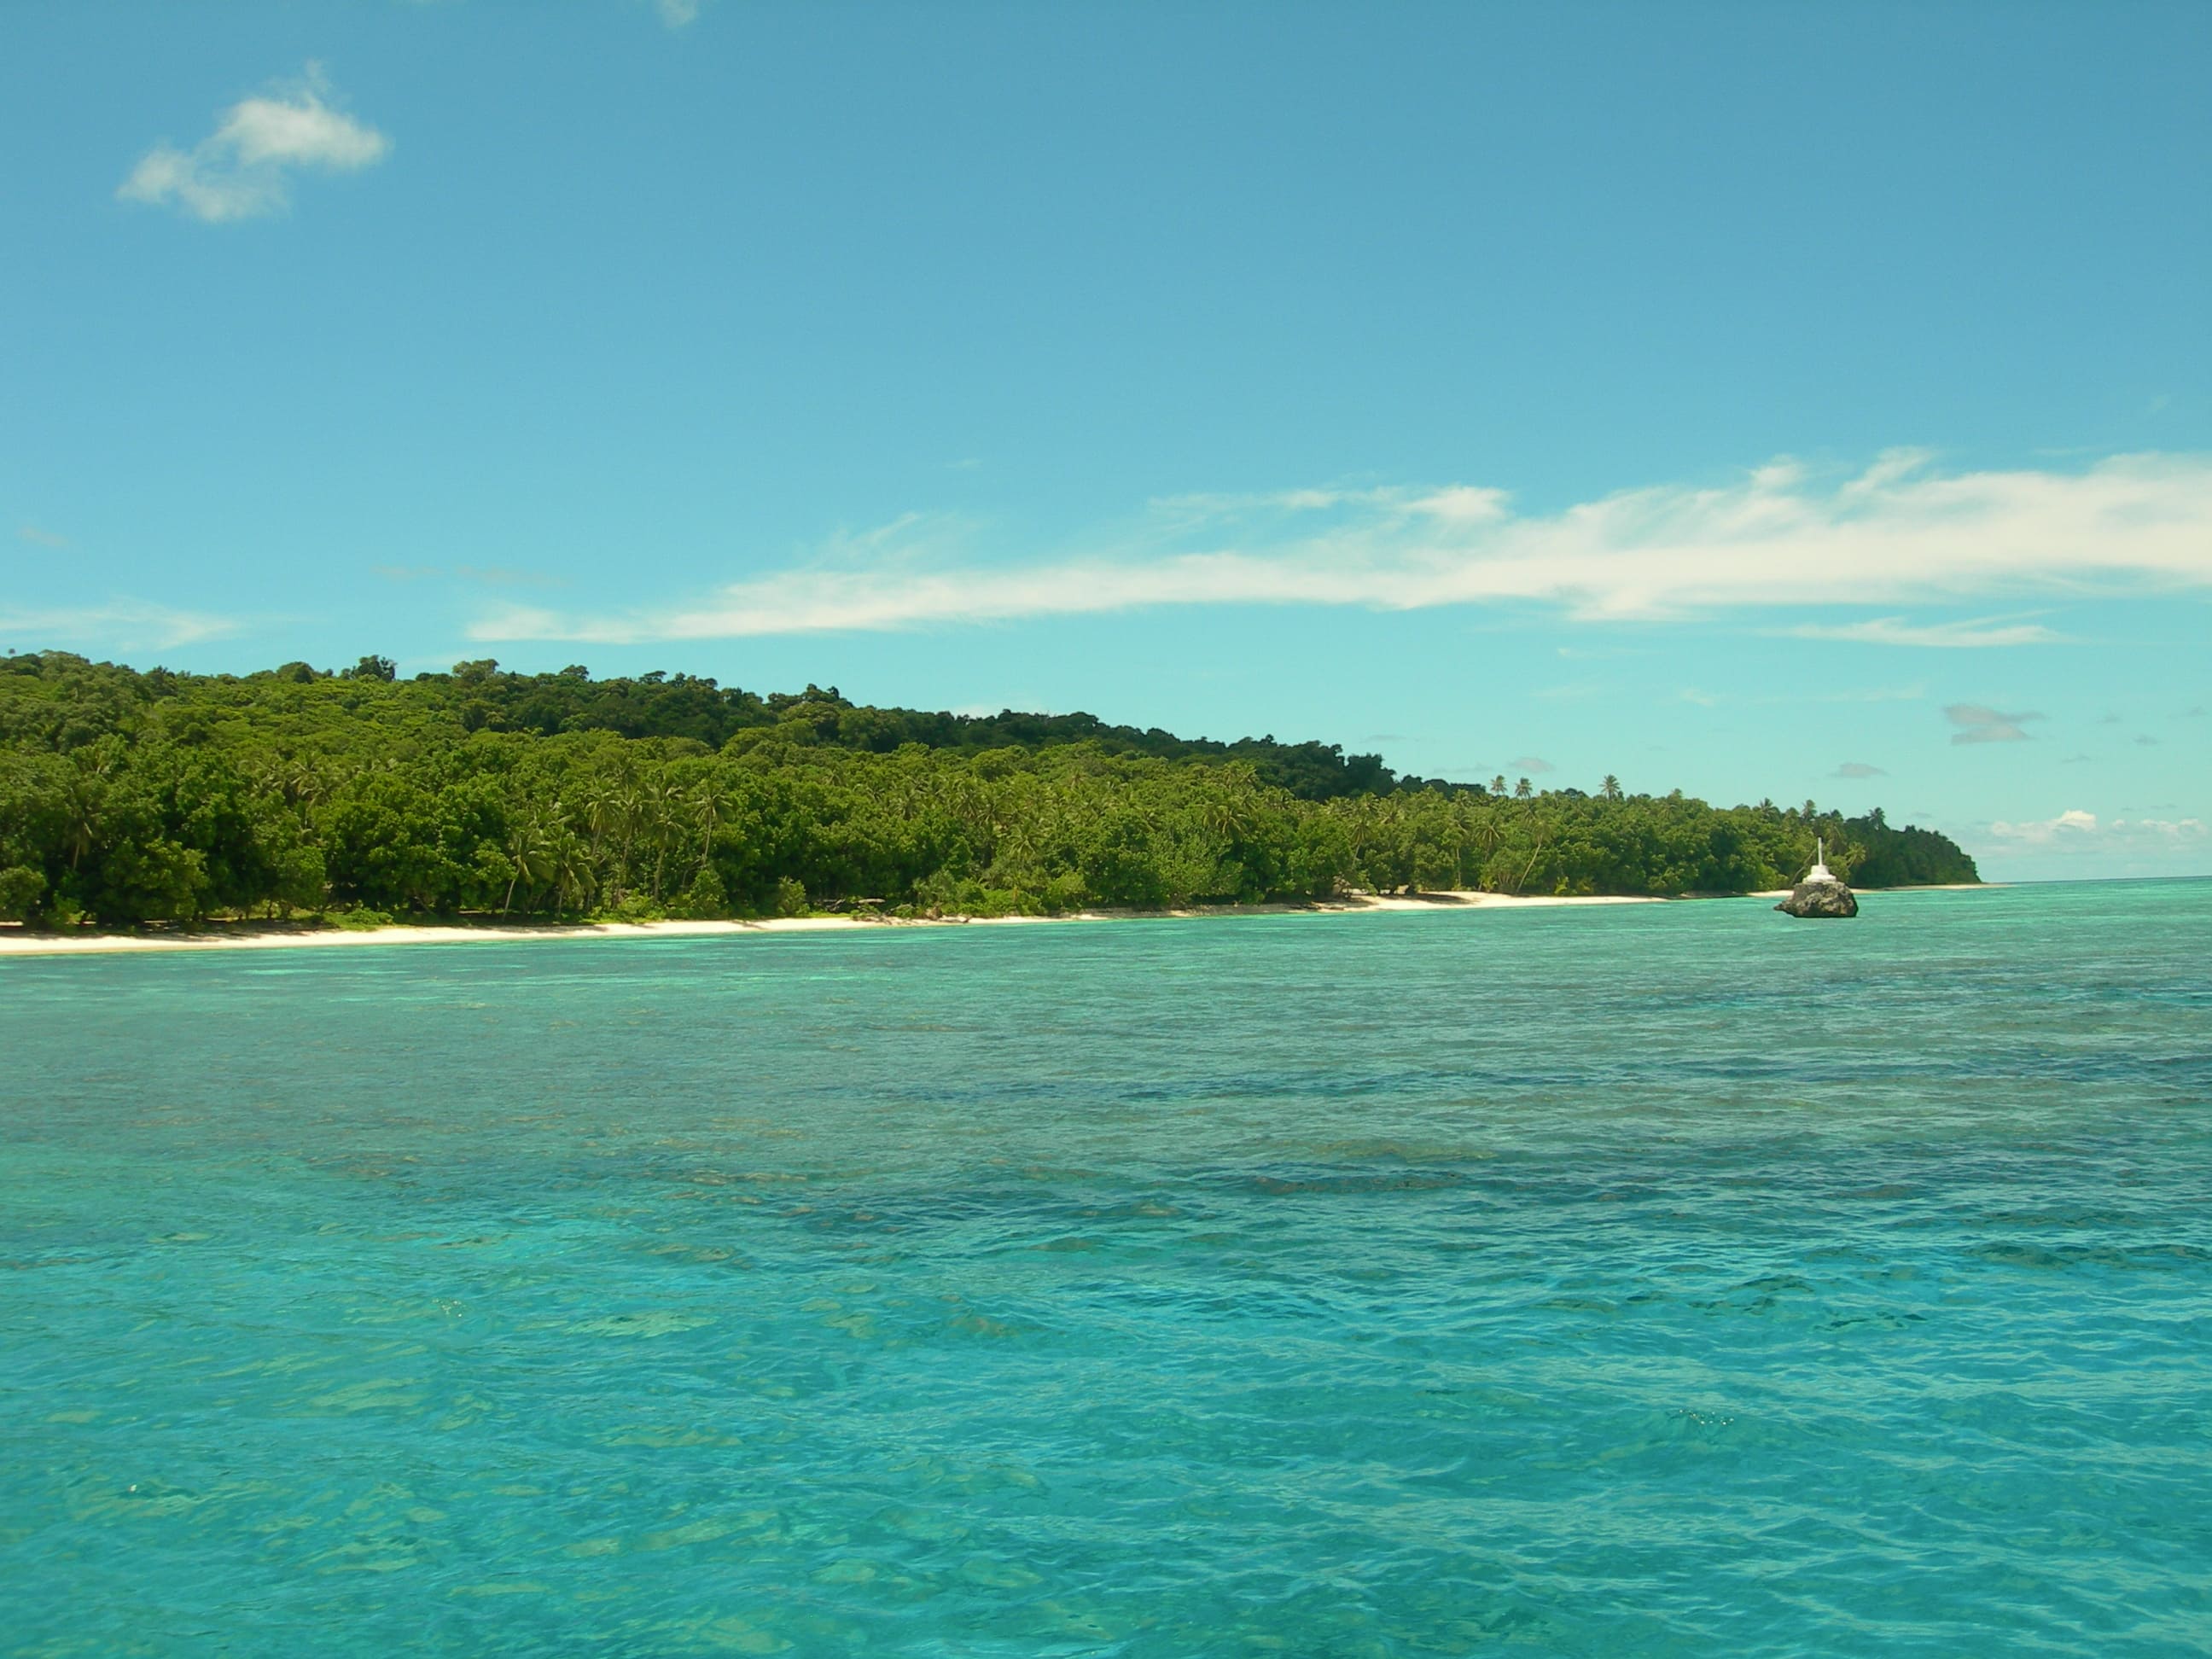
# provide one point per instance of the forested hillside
(128, 797)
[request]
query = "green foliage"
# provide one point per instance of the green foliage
(631, 908)
(128, 797)
(22, 888)
(1903, 857)
(706, 899)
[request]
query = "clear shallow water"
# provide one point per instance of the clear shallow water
(1655, 1279)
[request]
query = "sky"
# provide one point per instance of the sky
(1771, 402)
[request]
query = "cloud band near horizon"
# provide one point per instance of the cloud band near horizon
(127, 623)
(1898, 533)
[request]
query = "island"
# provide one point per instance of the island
(360, 797)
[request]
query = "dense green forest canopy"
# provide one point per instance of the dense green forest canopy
(128, 797)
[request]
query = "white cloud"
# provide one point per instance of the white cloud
(2075, 830)
(1896, 532)
(243, 169)
(2045, 831)
(1895, 631)
(1462, 504)
(1535, 765)
(1859, 769)
(31, 532)
(1979, 724)
(677, 14)
(124, 624)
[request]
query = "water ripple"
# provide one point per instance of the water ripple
(1666, 1281)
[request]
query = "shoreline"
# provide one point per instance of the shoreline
(281, 935)
(16, 941)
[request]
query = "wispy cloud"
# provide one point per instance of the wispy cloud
(1979, 724)
(1775, 537)
(1951, 636)
(677, 14)
(1876, 694)
(124, 625)
(1460, 504)
(2077, 829)
(244, 168)
(494, 575)
(31, 532)
(1534, 765)
(2043, 831)
(1859, 769)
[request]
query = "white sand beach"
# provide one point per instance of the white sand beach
(17, 941)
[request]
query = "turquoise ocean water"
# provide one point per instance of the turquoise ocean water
(1638, 1280)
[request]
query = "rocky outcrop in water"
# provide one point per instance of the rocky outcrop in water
(1819, 898)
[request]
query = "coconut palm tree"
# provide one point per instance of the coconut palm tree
(658, 800)
(570, 864)
(529, 854)
(709, 807)
(80, 814)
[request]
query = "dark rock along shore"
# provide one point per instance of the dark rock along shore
(1819, 898)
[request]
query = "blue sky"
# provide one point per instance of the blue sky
(1766, 401)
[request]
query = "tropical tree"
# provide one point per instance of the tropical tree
(132, 797)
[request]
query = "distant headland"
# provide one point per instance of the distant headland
(483, 796)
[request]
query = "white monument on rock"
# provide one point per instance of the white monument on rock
(1820, 870)
(1822, 892)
